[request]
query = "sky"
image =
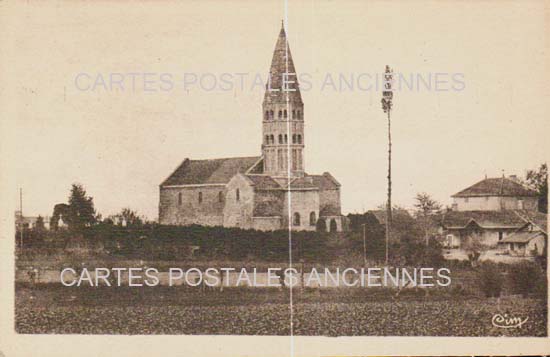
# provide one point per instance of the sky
(70, 123)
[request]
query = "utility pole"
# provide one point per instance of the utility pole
(21, 219)
(364, 245)
(387, 103)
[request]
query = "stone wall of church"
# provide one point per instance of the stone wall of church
(267, 223)
(303, 203)
(192, 205)
(239, 203)
(330, 199)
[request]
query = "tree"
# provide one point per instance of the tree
(426, 207)
(538, 181)
(81, 212)
(128, 218)
(60, 211)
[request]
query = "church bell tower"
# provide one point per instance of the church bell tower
(283, 116)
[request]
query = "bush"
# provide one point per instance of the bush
(527, 278)
(490, 279)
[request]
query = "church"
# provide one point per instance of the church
(268, 192)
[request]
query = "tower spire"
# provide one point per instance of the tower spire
(283, 115)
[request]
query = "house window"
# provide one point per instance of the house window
(220, 196)
(200, 197)
(296, 220)
(237, 195)
(180, 199)
(450, 241)
(312, 219)
(520, 204)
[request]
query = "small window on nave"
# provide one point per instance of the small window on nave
(180, 200)
(220, 196)
(237, 195)
(200, 197)
(296, 220)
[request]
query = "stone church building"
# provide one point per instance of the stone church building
(264, 192)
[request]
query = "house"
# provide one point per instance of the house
(267, 192)
(496, 194)
(29, 222)
(497, 216)
(530, 240)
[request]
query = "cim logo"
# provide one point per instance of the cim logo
(506, 321)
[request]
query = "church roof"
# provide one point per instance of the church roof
(280, 66)
(263, 182)
(501, 186)
(213, 171)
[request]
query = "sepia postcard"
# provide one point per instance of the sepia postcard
(274, 178)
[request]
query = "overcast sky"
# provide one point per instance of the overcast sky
(121, 144)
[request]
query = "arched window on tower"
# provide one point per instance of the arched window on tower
(294, 138)
(299, 115)
(280, 139)
(285, 114)
(266, 114)
(271, 115)
(272, 139)
(280, 114)
(267, 139)
(296, 220)
(200, 197)
(180, 199)
(299, 139)
(286, 139)
(312, 219)
(293, 113)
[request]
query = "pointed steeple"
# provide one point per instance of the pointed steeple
(280, 67)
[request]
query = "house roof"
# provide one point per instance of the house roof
(484, 219)
(213, 171)
(397, 214)
(538, 219)
(496, 187)
(521, 237)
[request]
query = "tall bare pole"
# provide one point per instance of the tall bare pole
(21, 219)
(364, 244)
(387, 102)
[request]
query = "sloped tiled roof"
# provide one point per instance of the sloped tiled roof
(214, 171)
(263, 182)
(485, 219)
(397, 214)
(521, 237)
(539, 219)
(496, 187)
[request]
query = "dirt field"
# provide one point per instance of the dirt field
(54, 309)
